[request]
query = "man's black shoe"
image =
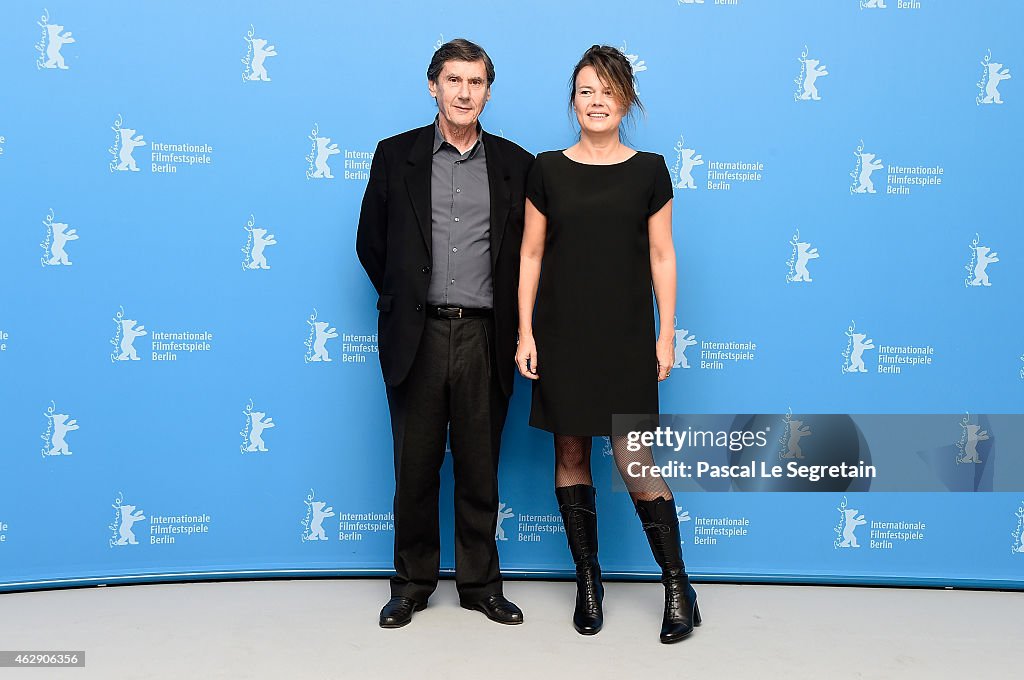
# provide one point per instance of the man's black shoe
(398, 611)
(497, 608)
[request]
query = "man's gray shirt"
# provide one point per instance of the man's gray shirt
(460, 220)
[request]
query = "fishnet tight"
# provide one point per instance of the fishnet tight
(572, 466)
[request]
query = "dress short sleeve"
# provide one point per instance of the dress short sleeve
(662, 192)
(535, 186)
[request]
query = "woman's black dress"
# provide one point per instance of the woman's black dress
(594, 314)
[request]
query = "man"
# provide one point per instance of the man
(439, 235)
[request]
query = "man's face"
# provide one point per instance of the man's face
(461, 91)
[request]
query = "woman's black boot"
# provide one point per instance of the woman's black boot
(662, 528)
(579, 515)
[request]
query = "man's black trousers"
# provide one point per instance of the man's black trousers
(453, 383)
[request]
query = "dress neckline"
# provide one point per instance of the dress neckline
(599, 165)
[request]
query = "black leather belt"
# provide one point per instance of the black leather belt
(459, 312)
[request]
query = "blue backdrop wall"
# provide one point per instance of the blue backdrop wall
(188, 378)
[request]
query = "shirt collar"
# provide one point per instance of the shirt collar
(439, 138)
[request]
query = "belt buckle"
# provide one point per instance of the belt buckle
(459, 316)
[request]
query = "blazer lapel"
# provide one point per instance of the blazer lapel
(498, 180)
(417, 181)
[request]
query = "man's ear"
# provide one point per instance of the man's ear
(432, 87)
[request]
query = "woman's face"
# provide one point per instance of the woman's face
(597, 110)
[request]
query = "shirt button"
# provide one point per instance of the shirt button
(456, 219)
(453, 280)
(458, 190)
(455, 250)
(419, 308)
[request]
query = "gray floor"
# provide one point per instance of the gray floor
(327, 629)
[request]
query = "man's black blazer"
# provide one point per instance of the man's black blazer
(393, 242)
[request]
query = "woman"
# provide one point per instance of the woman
(597, 236)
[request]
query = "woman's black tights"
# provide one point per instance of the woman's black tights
(572, 466)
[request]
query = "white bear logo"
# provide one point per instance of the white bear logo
(851, 520)
(324, 150)
(636, 64)
(811, 72)
(129, 332)
(873, 4)
(61, 426)
(504, 512)
(260, 240)
(682, 516)
(993, 74)
(316, 525)
(686, 161)
(797, 431)
(683, 339)
(260, 51)
(983, 258)
(129, 516)
(56, 39)
(866, 165)
(804, 254)
(861, 342)
(129, 142)
(690, 2)
(1018, 533)
(61, 235)
(323, 334)
(258, 423)
(974, 435)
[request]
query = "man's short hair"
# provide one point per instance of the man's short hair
(459, 49)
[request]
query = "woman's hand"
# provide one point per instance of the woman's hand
(666, 352)
(526, 357)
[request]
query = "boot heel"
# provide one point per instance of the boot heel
(662, 528)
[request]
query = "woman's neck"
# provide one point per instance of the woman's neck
(600, 149)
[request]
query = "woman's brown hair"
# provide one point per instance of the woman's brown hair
(614, 70)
